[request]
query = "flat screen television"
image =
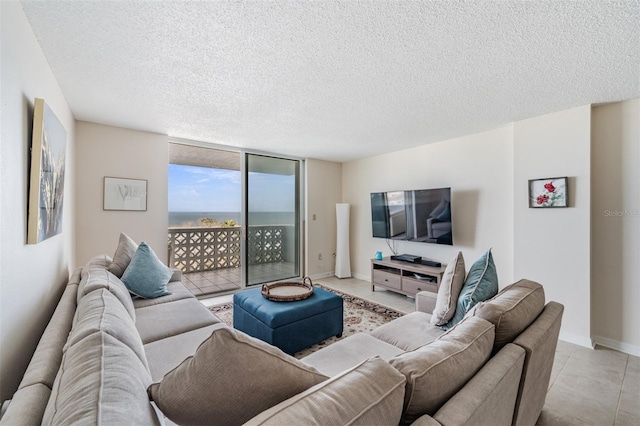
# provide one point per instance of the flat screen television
(422, 215)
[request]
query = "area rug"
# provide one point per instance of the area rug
(360, 316)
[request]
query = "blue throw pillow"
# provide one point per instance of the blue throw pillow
(146, 276)
(481, 284)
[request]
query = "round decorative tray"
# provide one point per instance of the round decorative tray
(288, 291)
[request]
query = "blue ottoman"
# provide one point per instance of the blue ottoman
(291, 326)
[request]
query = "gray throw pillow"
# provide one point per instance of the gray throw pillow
(452, 282)
(123, 255)
(230, 379)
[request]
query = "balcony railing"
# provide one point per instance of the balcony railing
(198, 249)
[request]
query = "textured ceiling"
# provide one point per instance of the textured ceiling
(335, 80)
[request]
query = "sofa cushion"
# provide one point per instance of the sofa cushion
(176, 288)
(408, 332)
(347, 353)
(168, 319)
(435, 372)
(101, 381)
(512, 310)
(450, 286)
(481, 284)
(123, 255)
(101, 311)
(146, 276)
(101, 261)
(213, 383)
(166, 354)
(378, 399)
(97, 278)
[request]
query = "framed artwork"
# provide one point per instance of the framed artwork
(125, 194)
(549, 192)
(46, 180)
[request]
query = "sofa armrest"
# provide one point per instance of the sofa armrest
(426, 302)
(490, 396)
(177, 275)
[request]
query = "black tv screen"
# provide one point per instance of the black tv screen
(422, 215)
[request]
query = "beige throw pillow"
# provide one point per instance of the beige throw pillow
(452, 282)
(123, 255)
(512, 310)
(231, 378)
(435, 372)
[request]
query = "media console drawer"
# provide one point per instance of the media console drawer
(415, 286)
(386, 279)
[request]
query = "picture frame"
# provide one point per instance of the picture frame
(548, 192)
(125, 194)
(46, 177)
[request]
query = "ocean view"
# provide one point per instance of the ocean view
(255, 218)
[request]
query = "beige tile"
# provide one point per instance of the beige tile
(549, 417)
(602, 365)
(580, 397)
(633, 365)
(624, 418)
(630, 396)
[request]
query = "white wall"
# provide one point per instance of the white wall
(323, 191)
(116, 152)
(479, 170)
(32, 277)
(552, 246)
(615, 226)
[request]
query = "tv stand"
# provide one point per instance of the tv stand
(404, 277)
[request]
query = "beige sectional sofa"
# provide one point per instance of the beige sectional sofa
(103, 349)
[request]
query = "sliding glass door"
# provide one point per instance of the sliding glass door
(272, 219)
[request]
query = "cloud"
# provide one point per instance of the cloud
(189, 192)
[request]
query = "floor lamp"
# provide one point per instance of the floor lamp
(343, 261)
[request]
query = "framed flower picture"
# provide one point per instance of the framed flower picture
(549, 192)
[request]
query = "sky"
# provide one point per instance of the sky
(202, 189)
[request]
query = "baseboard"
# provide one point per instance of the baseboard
(616, 345)
(576, 339)
(321, 275)
(362, 277)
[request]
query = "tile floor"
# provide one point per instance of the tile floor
(593, 387)
(222, 281)
(207, 283)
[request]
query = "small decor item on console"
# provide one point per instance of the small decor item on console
(288, 291)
